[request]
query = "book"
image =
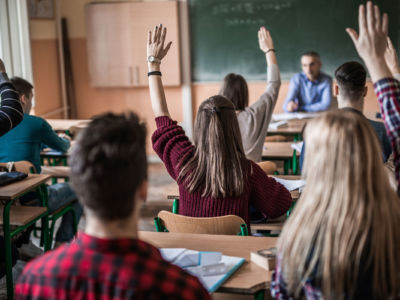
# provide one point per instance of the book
(211, 268)
(265, 258)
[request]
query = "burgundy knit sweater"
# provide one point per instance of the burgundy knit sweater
(263, 192)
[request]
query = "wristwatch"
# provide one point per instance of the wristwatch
(153, 59)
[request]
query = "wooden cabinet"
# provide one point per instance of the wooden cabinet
(117, 37)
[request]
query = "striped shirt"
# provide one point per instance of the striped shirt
(11, 109)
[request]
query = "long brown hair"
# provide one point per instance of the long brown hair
(219, 166)
(234, 87)
(346, 222)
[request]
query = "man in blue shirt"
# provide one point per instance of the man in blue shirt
(311, 90)
(25, 141)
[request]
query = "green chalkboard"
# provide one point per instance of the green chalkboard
(224, 34)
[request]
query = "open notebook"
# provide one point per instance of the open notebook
(211, 268)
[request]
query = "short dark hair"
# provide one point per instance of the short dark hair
(235, 89)
(351, 78)
(22, 86)
(108, 164)
(311, 53)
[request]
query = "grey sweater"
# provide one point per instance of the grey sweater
(254, 120)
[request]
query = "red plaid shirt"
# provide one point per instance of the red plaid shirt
(388, 92)
(93, 268)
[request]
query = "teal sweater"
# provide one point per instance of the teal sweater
(25, 141)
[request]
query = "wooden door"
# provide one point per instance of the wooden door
(116, 41)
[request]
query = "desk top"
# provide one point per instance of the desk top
(65, 124)
(294, 126)
(248, 279)
(16, 189)
(278, 150)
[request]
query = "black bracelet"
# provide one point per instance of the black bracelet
(270, 50)
(154, 73)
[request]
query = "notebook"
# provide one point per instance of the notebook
(211, 268)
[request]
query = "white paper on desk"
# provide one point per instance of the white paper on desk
(290, 185)
(292, 116)
(171, 254)
(278, 124)
(297, 146)
(211, 282)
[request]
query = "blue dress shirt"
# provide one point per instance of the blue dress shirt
(311, 96)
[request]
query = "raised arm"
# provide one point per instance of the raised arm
(371, 44)
(392, 59)
(273, 77)
(371, 41)
(11, 109)
(155, 53)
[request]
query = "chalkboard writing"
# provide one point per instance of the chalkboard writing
(224, 34)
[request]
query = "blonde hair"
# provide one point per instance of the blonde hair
(347, 220)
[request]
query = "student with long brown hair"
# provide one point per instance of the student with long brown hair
(213, 175)
(254, 119)
(342, 240)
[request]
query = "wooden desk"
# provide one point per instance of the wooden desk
(278, 151)
(17, 189)
(282, 151)
(8, 194)
(248, 279)
(294, 127)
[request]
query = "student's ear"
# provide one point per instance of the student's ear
(335, 89)
(143, 191)
(365, 91)
(23, 99)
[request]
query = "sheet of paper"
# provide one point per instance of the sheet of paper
(292, 116)
(297, 146)
(290, 185)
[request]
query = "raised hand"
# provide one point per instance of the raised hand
(391, 58)
(155, 44)
(264, 40)
(371, 41)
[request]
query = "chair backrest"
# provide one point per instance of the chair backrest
(229, 225)
(23, 166)
(268, 167)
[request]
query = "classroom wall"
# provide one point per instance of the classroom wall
(46, 70)
(92, 101)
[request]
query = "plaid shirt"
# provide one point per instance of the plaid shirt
(93, 268)
(388, 92)
(279, 289)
